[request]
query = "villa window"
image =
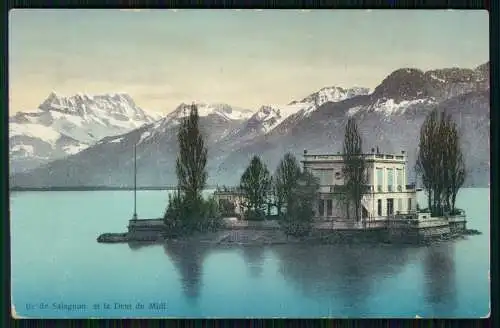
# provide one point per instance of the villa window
(390, 180)
(329, 207)
(390, 206)
(399, 179)
(379, 207)
(321, 208)
(400, 204)
(380, 179)
(338, 175)
(324, 176)
(409, 205)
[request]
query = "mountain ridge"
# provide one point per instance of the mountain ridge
(64, 125)
(391, 114)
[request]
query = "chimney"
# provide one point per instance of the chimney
(403, 152)
(373, 150)
(305, 151)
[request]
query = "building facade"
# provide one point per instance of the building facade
(232, 195)
(387, 191)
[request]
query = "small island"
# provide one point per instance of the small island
(345, 197)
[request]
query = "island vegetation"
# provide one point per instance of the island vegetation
(353, 170)
(289, 195)
(187, 211)
(290, 190)
(440, 163)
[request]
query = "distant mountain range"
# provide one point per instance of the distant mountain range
(63, 126)
(389, 117)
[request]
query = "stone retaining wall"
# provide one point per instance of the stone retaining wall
(407, 231)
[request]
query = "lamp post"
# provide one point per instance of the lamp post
(134, 217)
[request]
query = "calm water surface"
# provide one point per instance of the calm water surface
(57, 263)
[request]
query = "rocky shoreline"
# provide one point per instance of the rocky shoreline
(254, 237)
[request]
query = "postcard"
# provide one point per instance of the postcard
(249, 164)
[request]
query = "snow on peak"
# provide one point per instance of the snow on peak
(390, 107)
(117, 105)
(226, 111)
(333, 94)
(272, 116)
(64, 125)
(267, 118)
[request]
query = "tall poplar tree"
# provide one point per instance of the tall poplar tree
(285, 178)
(440, 162)
(191, 164)
(354, 168)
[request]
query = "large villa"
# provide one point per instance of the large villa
(388, 207)
(387, 195)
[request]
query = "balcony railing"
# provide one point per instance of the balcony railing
(342, 188)
(227, 190)
(339, 157)
(410, 186)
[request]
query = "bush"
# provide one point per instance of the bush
(184, 217)
(255, 215)
(298, 222)
(276, 217)
(173, 214)
(456, 211)
(227, 208)
(299, 215)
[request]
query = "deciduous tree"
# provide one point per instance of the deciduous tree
(440, 162)
(187, 207)
(354, 168)
(255, 185)
(285, 178)
(301, 200)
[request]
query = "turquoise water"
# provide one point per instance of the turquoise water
(59, 270)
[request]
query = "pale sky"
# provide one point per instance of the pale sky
(245, 58)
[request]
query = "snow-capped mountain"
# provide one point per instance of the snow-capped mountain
(156, 147)
(225, 111)
(390, 118)
(63, 126)
(269, 117)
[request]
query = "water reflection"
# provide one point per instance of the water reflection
(188, 259)
(343, 272)
(137, 245)
(254, 259)
(439, 277)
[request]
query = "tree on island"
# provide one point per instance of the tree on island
(455, 164)
(255, 185)
(285, 178)
(440, 162)
(301, 199)
(187, 210)
(227, 208)
(354, 169)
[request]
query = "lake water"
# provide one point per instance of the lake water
(59, 270)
